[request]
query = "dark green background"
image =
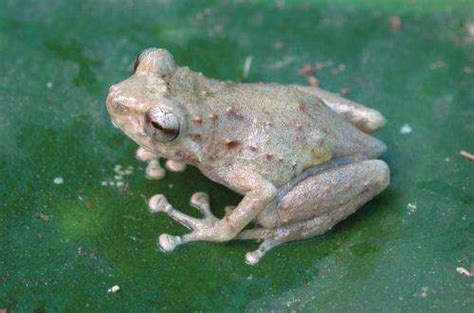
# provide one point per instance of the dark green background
(387, 257)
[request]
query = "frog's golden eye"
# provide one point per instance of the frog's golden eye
(163, 124)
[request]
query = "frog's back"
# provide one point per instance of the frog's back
(304, 119)
(275, 130)
(280, 127)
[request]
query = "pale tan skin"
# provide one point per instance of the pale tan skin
(301, 157)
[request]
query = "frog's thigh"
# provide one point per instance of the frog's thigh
(318, 203)
(335, 193)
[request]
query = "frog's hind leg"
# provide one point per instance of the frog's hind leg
(313, 205)
(365, 119)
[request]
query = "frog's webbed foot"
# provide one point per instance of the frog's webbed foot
(209, 228)
(202, 229)
(154, 169)
(199, 227)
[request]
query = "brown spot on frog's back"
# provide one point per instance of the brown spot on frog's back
(302, 107)
(232, 144)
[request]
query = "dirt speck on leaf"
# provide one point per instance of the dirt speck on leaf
(395, 23)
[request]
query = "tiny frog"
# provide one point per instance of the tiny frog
(302, 157)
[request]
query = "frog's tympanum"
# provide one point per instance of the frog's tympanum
(302, 157)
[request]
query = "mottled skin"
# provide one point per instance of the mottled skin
(301, 157)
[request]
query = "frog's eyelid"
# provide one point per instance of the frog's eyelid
(154, 60)
(162, 117)
(136, 63)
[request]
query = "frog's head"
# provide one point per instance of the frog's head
(139, 105)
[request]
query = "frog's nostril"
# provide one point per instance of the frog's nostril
(118, 107)
(114, 105)
(109, 102)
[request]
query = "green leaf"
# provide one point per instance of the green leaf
(63, 245)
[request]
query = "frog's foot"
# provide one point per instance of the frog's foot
(144, 155)
(175, 166)
(202, 229)
(153, 169)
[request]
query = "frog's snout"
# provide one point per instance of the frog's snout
(116, 108)
(112, 89)
(110, 101)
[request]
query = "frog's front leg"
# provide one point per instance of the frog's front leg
(259, 192)
(154, 169)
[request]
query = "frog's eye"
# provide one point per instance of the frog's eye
(163, 124)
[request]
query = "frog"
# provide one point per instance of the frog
(302, 158)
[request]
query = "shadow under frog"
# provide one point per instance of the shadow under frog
(303, 158)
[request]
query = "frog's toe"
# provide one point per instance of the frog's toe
(168, 243)
(154, 170)
(144, 155)
(200, 201)
(253, 257)
(175, 166)
(158, 203)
